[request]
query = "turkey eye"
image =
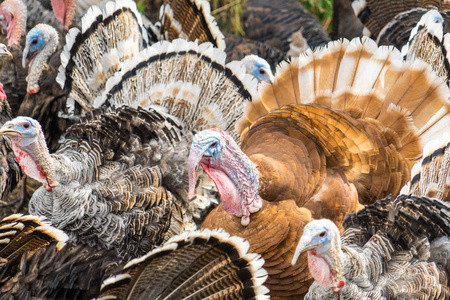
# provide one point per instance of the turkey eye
(26, 125)
(262, 72)
(213, 145)
(322, 234)
(33, 42)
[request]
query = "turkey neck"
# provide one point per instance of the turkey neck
(233, 173)
(16, 20)
(39, 62)
(36, 161)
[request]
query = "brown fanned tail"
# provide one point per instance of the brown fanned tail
(391, 109)
(195, 265)
(26, 233)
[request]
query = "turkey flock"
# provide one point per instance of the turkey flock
(169, 160)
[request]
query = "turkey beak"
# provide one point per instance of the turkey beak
(8, 129)
(4, 52)
(304, 245)
(195, 157)
(270, 78)
(25, 55)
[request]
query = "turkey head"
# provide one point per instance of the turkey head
(40, 43)
(233, 173)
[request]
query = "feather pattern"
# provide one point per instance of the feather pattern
(385, 251)
(385, 101)
(93, 54)
(376, 14)
(430, 176)
(428, 42)
(277, 22)
(147, 119)
(198, 265)
(37, 262)
(398, 31)
(190, 20)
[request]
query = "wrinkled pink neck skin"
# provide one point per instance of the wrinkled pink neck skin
(229, 193)
(34, 160)
(2, 93)
(235, 177)
(29, 165)
(320, 270)
(64, 11)
(14, 14)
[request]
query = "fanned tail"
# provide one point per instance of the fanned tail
(394, 106)
(407, 220)
(36, 262)
(92, 55)
(26, 233)
(191, 20)
(375, 14)
(190, 81)
(197, 265)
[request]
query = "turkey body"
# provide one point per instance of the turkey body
(314, 138)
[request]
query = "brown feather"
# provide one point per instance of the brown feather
(275, 241)
(391, 108)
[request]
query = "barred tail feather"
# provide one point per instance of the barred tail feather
(184, 78)
(203, 264)
(93, 54)
(430, 177)
(191, 20)
(20, 233)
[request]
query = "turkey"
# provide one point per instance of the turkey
(10, 171)
(282, 23)
(398, 31)
(375, 15)
(428, 42)
(38, 262)
(240, 47)
(332, 131)
(389, 250)
(13, 18)
(192, 19)
(118, 178)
